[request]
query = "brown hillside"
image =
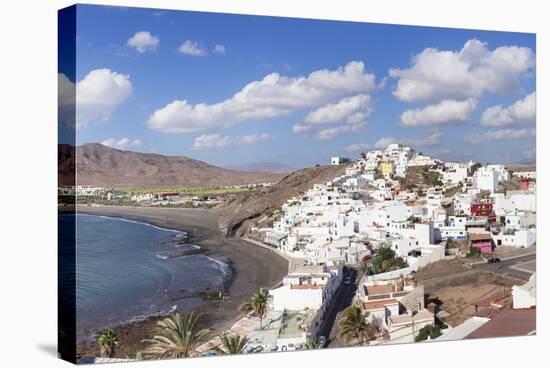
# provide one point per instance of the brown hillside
(107, 167)
(244, 210)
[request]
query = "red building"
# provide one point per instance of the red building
(524, 184)
(483, 207)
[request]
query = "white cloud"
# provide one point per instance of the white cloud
(143, 41)
(66, 98)
(302, 128)
(219, 49)
(357, 147)
(520, 112)
(121, 143)
(349, 114)
(430, 140)
(209, 141)
(254, 138)
(274, 95)
(193, 48)
(330, 133)
(351, 110)
(467, 73)
(99, 94)
(445, 112)
(500, 135)
(384, 142)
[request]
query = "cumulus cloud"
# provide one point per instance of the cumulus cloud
(210, 141)
(430, 140)
(143, 41)
(357, 147)
(349, 114)
(384, 142)
(219, 49)
(351, 110)
(66, 98)
(466, 73)
(193, 48)
(520, 112)
(99, 94)
(274, 95)
(121, 143)
(500, 135)
(329, 133)
(445, 112)
(302, 128)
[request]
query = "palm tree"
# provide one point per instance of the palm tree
(176, 337)
(108, 340)
(231, 344)
(363, 268)
(311, 344)
(257, 303)
(353, 327)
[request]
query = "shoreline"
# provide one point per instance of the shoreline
(252, 267)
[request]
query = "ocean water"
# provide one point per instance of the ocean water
(127, 270)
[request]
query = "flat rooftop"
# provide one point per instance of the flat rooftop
(294, 324)
(378, 304)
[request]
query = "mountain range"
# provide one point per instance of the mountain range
(108, 167)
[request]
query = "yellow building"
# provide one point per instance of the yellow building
(385, 168)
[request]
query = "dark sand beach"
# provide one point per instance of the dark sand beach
(252, 267)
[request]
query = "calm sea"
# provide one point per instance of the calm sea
(128, 270)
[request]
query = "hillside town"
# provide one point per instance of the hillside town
(370, 231)
(358, 245)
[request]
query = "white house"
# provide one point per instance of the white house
(525, 296)
(486, 179)
(518, 238)
(405, 327)
(336, 160)
(305, 287)
(514, 200)
(518, 219)
(528, 174)
(455, 172)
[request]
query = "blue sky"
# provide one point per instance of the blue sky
(170, 89)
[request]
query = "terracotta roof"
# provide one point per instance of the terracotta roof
(509, 322)
(378, 304)
(480, 236)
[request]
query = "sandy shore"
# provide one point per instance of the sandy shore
(253, 267)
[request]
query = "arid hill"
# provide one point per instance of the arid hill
(245, 210)
(103, 166)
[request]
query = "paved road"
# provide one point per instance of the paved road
(510, 266)
(342, 301)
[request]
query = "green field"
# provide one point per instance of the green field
(187, 191)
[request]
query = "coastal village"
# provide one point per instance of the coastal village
(367, 234)
(358, 246)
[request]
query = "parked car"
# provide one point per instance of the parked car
(366, 258)
(493, 260)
